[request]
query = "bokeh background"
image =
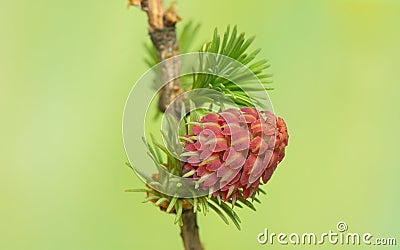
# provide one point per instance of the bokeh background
(67, 67)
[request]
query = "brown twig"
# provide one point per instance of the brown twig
(163, 35)
(190, 231)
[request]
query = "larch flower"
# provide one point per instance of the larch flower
(231, 151)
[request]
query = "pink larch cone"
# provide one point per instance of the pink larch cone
(231, 151)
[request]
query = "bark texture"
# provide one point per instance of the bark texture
(163, 35)
(190, 231)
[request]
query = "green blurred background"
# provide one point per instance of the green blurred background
(67, 67)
